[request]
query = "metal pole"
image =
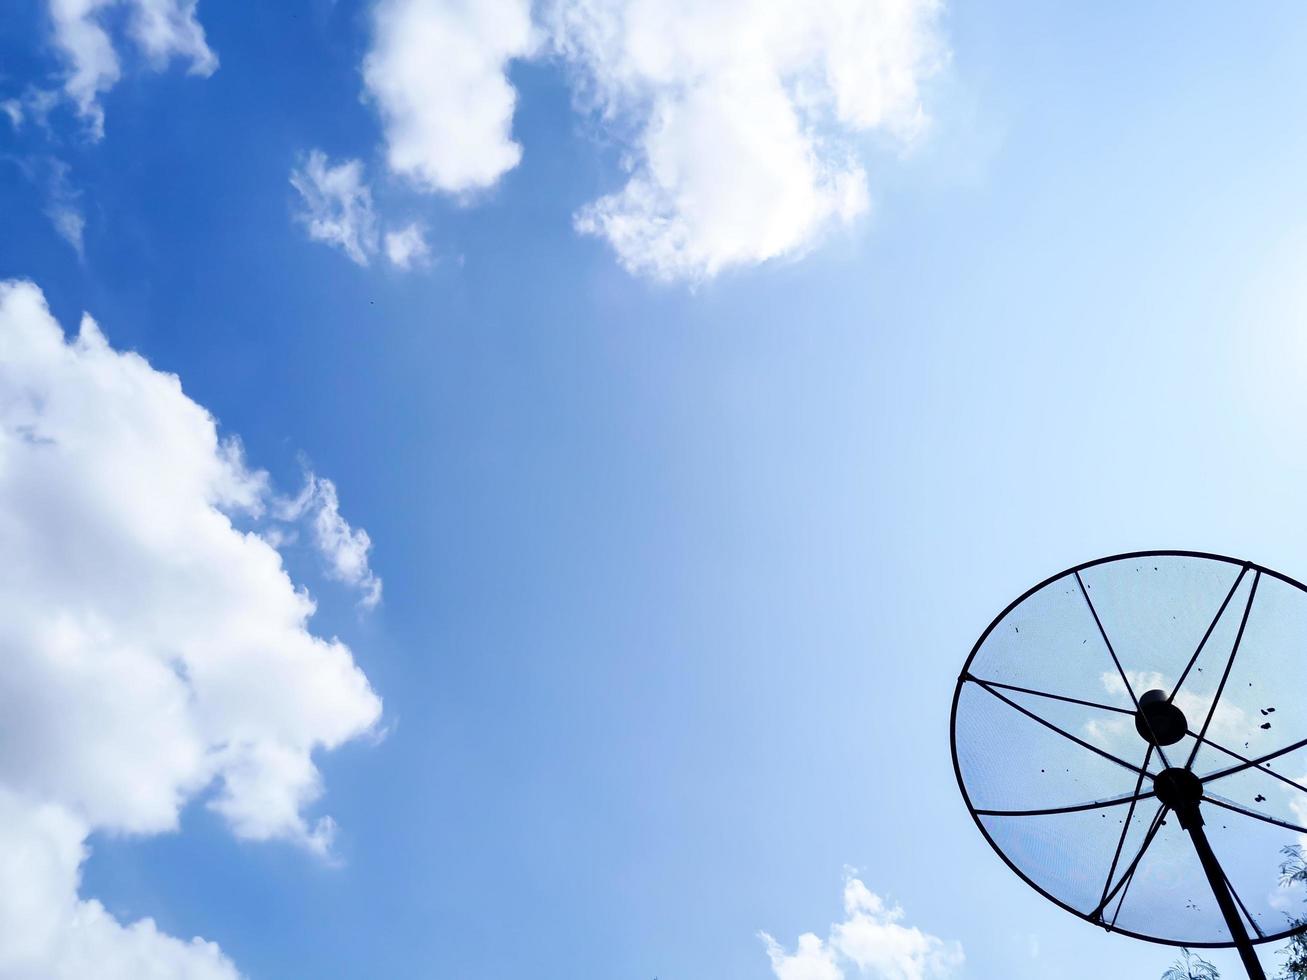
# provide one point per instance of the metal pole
(1192, 821)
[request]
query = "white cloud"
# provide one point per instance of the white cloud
(13, 110)
(740, 119)
(436, 72)
(743, 115)
(33, 105)
(1230, 723)
(161, 29)
(723, 176)
(50, 176)
(811, 960)
(407, 247)
(344, 548)
(871, 940)
(69, 223)
(336, 208)
(47, 933)
(151, 651)
(63, 209)
(336, 205)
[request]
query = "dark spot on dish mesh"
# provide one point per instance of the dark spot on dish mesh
(1259, 798)
(1265, 725)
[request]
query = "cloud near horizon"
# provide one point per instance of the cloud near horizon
(871, 941)
(156, 650)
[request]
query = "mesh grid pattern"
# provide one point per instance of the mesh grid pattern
(1049, 757)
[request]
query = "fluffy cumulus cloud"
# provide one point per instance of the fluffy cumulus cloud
(870, 942)
(744, 113)
(47, 933)
(437, 74)
(162, 30)
(741, 119)
(154, 648)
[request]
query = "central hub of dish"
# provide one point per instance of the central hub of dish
(1180, 790)
(1158, 720)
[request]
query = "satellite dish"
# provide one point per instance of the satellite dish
(1131, 738)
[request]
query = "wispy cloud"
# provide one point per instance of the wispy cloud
(344, 548)
(336, 208)
(51, 178)
(63, 207)
(336, 205)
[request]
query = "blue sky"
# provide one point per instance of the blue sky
(680, 567)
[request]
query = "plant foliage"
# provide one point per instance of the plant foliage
(1191, 966)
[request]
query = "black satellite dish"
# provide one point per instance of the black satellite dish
(1131, 738)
